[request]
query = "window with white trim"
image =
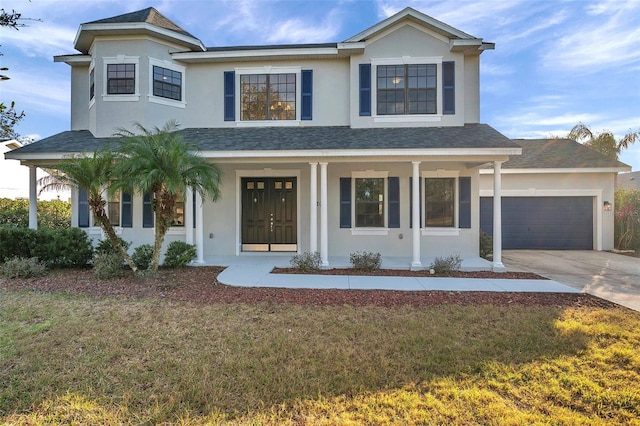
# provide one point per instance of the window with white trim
(440, 204)
(369, 202)
(167, 83)
(406, 89)
(268, 97)
(121, 82)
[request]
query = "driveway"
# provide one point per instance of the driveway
(607, 275)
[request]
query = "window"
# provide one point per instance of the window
(178, 211)
(167, 83)
(148, 215)
(92, 84)
(406, 89)
(268, 97)
(440, 202)
(121, 79)
(113, 209)
(369, 202)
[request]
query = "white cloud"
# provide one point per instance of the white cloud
(39, 91)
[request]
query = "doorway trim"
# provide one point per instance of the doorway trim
(266, 172)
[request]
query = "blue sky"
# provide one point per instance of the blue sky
(556, 63)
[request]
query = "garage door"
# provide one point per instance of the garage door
(558, 223)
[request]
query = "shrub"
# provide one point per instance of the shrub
(366, 261)
(108, 265)
(486, 245)
(447, 264)
(306, 261)
(57, 248)
(22, 267)
(142, 256)
(179, 254)
(107, 247)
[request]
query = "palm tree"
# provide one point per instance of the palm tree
(92, 173)
(160, 162)
(605, 142)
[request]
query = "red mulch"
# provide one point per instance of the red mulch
(200, 285)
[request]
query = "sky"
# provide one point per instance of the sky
(556, 63)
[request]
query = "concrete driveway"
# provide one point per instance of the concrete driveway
(614, 277)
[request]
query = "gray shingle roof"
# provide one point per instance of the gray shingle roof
(558, 153)
(149, 15)
(298, 138)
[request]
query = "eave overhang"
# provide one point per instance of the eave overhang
(88, 32)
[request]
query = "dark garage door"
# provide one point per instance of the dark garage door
(558, 223)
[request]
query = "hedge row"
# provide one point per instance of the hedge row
(57, 248)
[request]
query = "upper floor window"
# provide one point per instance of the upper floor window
(406, 89)
(92, 84)
(268, 96)
(167, 83)
(121, 79)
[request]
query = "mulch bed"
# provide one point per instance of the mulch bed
(408, 273)
(200, 285)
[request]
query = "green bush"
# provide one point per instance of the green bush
(179, 254)
(486, 245)
(366, 261)
(22, 267)
(447, 264)
(108, 265)
(57, 248)
(142, 256)
(306, 261)
(107, 247)
(627, 219)
(55, 214)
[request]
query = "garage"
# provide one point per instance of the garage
(552, 223)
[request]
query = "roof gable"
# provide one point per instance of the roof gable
(458, 40)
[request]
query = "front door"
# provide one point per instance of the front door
(269, 214)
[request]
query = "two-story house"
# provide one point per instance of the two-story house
(374, 143)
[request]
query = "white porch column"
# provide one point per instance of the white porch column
(199, 228)
(33, 198)
(188, 216)
(415, 214)
(313, 208)
(498, 266)
(324, 224)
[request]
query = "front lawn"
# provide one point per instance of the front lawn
(75, 358)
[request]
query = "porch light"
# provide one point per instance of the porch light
(607, 206)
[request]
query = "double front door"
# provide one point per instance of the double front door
(269, 214)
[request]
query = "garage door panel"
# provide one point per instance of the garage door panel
(542, 222)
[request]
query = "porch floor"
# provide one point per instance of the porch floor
(254, 270)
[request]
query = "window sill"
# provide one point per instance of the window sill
(176, 230)
(369, 231)
(167, 102)
(409, 118)
(120, 98)
(441, 232)
(268, 123)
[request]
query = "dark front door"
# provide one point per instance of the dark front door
(269, 214)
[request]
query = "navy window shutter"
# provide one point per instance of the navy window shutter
(126, 216)
(345, 202)
(448, 88)
(229, 96)
(193, 208)
(464, 215)
(147, 210)
(394, 202)
(411, 200)
(365, 89)
(83, 208)
(307, 95)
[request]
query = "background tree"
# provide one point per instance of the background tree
(54, 214)
(93, 173)
(160, 162)
(604, 142)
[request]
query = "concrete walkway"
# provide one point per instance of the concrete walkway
(611, 276)
(255, 271)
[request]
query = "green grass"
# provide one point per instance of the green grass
(81, 360)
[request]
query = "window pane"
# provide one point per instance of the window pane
(369, 202)
(178, 211)
(113, 211)
(167, 83)
(121, 79)
(268, 97)
(440, 202)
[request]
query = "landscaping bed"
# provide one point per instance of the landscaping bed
(200, 285)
